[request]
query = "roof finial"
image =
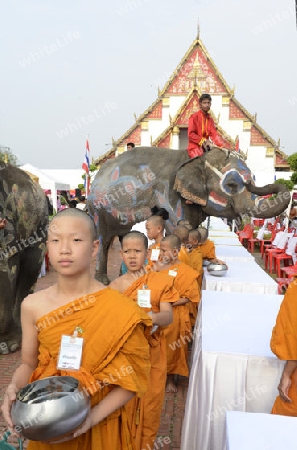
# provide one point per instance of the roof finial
(278, 143)
(135, 117)
(198, 30)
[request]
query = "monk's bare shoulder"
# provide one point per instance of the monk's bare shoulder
(117, 284)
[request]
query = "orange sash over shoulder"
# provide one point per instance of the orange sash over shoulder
(284, 345)
(144, 414)
(115, 352)
(208, 250)
(179, 333)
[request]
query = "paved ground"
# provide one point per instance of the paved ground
(174, 404)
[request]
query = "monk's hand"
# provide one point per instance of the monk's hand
(9, 398)
(87, 424)
(283, 388)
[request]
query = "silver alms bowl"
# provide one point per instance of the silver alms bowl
(49, 408)
(218, 270)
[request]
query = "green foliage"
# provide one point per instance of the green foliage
(294, 177)
(292, 161)
(288, 183)
(6, 155)
(81, 186)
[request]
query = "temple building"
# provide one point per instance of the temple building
(165, 122)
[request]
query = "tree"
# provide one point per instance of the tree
(288, 183)
(6, 155)
(292, 160)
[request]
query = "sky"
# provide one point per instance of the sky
(74, 68)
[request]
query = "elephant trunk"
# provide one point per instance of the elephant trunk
(269, 207)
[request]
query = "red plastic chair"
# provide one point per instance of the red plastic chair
(245, 234)
(285, 257)
(290, 271)
(278, 247)
(282, 284)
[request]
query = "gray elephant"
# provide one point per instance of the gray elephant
(23, 228)
(218, 183)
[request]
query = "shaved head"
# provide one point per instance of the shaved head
(203, 233)
(157, 221)
(136, 235)
(77, 214)
(173, 241)
(184, 223)
(194, 234)
(182, 232)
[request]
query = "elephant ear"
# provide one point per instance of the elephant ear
(190, 181)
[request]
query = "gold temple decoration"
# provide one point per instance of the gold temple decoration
(166, 102)
(269, 151)
(225, 101)
(144, 125)
(197, 75)
(247, 125)
(135, 117)
(175, 130)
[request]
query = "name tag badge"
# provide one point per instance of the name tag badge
(70, 353)
(172, 273)
(155, 254)
(144, 298)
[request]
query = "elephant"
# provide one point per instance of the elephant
(218, 183)
(23, 229)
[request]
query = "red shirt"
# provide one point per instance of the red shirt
(201, 127)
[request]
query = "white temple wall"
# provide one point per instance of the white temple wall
(175, 104)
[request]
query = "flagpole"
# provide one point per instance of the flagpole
(88, 174)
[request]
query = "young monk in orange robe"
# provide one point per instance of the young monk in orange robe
(180, 330)
(115, 354)
(284, 345)
(183, 233)
(144, 414)
(195, 261)
(155, 226)
(207, 247)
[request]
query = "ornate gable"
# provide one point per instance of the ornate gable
(257, 138)
(163, 124)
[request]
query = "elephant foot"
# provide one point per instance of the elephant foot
(103, 278)
(4, 350)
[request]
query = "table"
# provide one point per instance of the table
(226, 240)
(229, 253)
(246, 431)
(233, 367)
(216, 223)
(242, 276)
(221, 233)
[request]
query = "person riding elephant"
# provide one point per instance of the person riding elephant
(23, 229)
(218, 183)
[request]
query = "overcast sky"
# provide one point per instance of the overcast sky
(65, 61)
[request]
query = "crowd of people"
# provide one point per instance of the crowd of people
(129, 357)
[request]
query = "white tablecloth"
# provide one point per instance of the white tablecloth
(233, 367)
(233, 253)
(242, 276)
(216, 223)
(221, 233)
(246, 431)
(226, 240)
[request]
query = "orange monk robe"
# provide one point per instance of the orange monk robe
(208, 250)
(179, 333)
(144, 414)
(183, 255)
(151, 262)
(284, 345)
(115, 353)
(195, 261)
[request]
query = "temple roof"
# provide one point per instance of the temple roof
(195, 74)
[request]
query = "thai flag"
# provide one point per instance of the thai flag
(86, 163)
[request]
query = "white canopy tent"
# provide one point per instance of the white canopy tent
(47, 182)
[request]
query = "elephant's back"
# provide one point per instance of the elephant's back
(22, 190)
(156, 162)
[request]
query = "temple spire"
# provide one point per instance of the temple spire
(198, 30)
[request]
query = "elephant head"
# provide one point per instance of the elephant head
(222, 184)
